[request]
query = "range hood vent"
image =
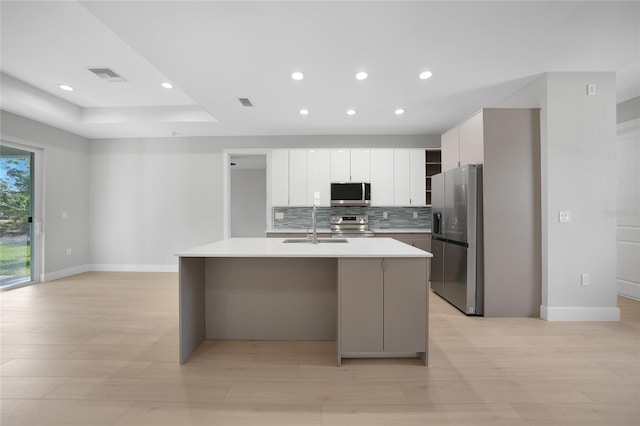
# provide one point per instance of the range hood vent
(108, 74)
(245, 102)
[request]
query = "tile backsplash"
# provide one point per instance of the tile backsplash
(397, 217)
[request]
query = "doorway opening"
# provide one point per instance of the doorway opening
(247, 205)
(16, 217)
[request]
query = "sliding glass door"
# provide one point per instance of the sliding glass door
(16, 216)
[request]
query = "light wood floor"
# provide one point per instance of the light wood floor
(101, 349)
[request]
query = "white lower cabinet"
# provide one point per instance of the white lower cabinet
(382, 307)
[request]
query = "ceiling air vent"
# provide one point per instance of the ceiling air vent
(108, 74)
(245, 102)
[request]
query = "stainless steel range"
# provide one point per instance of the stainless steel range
(354, 226)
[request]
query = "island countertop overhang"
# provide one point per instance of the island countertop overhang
(275, 247)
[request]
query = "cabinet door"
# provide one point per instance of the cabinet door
(360, 165)
(471, 135)
(382, 177)
(279, 177)
(423, 244)
(401, 177)
(405, 305)
(297, 177)
(360, 303)
(319, 176)
(417, 179)
(340, 165)
(450, 149)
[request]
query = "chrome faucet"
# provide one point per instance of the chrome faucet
(314, 224)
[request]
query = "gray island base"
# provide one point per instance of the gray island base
(370, 295)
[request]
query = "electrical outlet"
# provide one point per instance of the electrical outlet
(279, 215)
(385, 215)
(591, 89)
(585, 279)
(564, 216)
(415, 215)
(68, 252)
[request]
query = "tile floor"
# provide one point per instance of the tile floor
(101, 349)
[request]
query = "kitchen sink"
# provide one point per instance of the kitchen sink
(320, 240)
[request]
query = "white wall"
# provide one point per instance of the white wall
(151, 198)
(627, 212)
(578, 169)
(248, 203)
(66, 189)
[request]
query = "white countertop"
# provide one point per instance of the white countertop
(376, 230)
(275, 247)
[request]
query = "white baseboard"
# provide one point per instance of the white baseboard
(63, 273)
(579, 314)
(628, 289)
(133, 268)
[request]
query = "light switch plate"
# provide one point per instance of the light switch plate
(564, 216)
(585, 279)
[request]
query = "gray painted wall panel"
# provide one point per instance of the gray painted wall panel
(511, 185)
(271, 298)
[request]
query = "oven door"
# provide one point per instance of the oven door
(355, 234)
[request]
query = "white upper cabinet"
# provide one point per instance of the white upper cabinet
(401, 177)
(471, 134)
(350, 165)
(450, 149)
(397, 176)
(409, 177)
(382, 177)
(298, 177)
(340, 165)
(417, 180)
(319, 176)
(464, 144)
(279, 177)
(360, 165)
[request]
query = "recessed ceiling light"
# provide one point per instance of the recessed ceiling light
(167, 85)
(362, 75)
(351, 112)
(399, 111)
(297, 75)
(425, 75)
(66, 87)
(304, 111)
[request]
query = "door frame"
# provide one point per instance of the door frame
(37, 230)
(226, 185)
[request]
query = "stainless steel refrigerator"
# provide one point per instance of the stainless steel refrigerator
(456, 239)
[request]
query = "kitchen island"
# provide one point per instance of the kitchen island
(368, 294)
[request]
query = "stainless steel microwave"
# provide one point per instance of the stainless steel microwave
(351, 194)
